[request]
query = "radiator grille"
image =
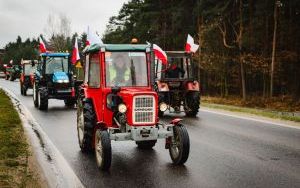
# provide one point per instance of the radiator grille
(143, 109)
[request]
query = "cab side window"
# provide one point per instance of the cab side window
(94, 71)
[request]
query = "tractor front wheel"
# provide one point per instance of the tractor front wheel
(43, 99)
(180, 146)
(103, 149)
(35, 96)
(148, 144)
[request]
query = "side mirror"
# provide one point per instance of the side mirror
(32, 63)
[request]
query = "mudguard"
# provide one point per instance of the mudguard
(176, 121)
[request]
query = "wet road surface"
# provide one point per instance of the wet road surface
(225, 152)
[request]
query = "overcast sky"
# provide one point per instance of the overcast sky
(28, 18)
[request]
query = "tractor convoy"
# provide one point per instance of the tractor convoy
(124, 91)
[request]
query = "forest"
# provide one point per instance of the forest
(248, 48)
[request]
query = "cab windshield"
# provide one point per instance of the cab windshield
(127, 69)
(28, 69)
(56, 64)
(177, 68)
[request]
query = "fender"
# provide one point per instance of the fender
(176, 121)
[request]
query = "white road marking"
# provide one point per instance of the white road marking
(251, 119)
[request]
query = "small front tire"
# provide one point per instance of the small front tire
(102, 149)
(43, 99)
(180, 146)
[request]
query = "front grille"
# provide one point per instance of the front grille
(143, 109)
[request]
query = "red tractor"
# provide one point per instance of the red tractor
(27, 75)
(117, 102)
(176, 84)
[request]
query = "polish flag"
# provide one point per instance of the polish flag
(92, 38)
(75, 53)
(42, 46)
(190, 46)
(160, 54)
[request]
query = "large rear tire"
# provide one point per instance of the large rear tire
(192, 104)
(102, 149)
(148, 144)
(180, 147)
(86, 120)
(43, 99)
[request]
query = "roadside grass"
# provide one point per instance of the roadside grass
(260, 112)
(14, 150)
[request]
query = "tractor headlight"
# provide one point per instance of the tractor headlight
(122, 108)
(163, 106)
(60, 81)
(66, 81)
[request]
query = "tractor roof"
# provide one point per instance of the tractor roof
(117, 47)
(55, 54)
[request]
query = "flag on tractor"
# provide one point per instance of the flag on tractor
(75, 53)
(160, 54)
(42, 46)
(190, 45)
(92, 38)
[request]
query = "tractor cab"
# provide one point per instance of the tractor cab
(53, 80)
(27, 75)
(176, 84)
(117, 102)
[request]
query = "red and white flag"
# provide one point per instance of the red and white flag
(42, 46)
(160, 54)
(190, 45)
(92, 38)
(75, 53)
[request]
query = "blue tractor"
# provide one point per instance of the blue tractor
(53, 79)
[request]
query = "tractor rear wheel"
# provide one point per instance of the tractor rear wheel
(11, 78)
(192, 104)
(102, 149)
(180, 146)
(35, 96)
(148, 144)
(86, 120)
(70, 102)
(43, 99)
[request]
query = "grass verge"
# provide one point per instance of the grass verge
(14, 150)
(255, 111)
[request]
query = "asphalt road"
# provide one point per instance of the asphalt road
(225, 152)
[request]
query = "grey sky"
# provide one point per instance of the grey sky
(28, 18)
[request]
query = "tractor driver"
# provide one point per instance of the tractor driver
(119, 71)
(174, 70)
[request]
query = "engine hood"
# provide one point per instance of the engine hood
(133, 92)
(60, 77)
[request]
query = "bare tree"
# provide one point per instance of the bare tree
(58, 29)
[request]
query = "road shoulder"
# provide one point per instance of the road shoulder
(252, 117)
(50, 161)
